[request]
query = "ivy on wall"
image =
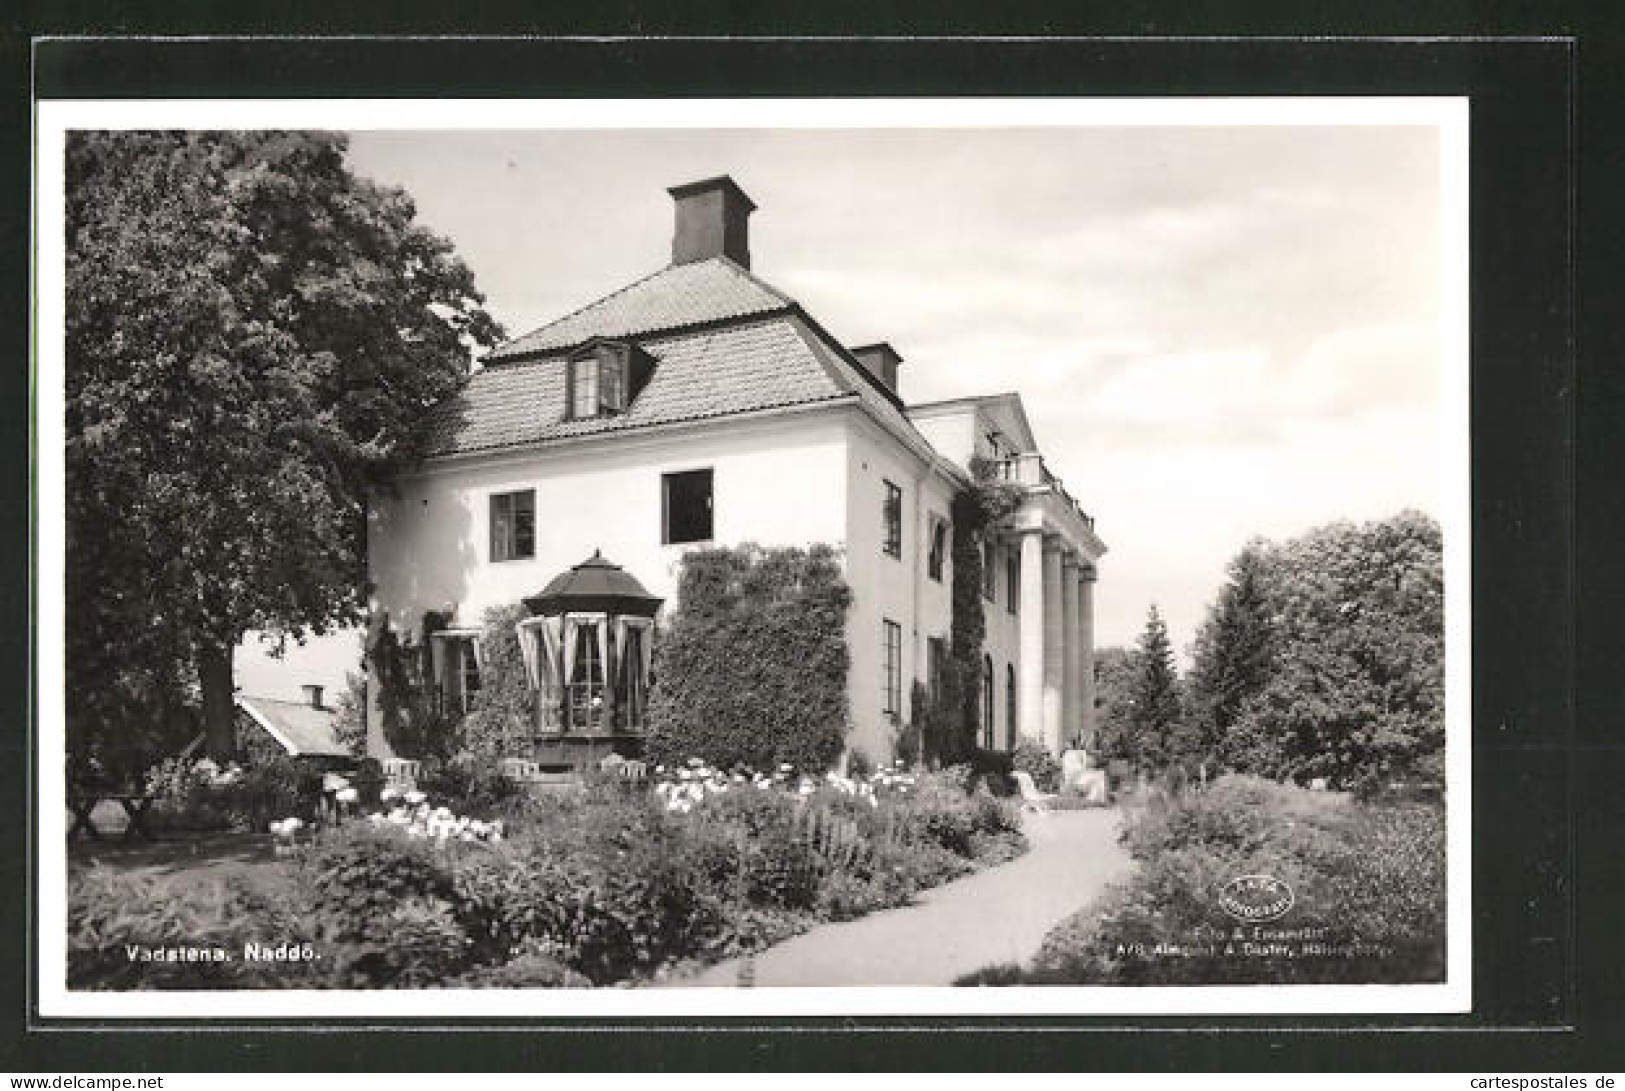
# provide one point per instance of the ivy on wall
(753, 668)
(412, 723)
(951, 726)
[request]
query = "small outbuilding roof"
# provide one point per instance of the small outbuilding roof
(595, 585)
(298, 727)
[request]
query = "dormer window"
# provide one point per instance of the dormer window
(605, 376)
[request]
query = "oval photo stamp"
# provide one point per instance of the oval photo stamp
(1256, 899)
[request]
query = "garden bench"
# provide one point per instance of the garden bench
(135, 804)
(1031, 798)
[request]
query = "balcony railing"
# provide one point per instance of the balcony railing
(1029, 469)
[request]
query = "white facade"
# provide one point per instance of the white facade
(792, 478)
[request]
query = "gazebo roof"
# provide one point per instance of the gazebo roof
(595, 585)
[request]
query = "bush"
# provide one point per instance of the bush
(993, 768)
(111, 915)
(356, 877)
(468, 786)
(1035, 760)
(753, 668)
(528, 969)
(1368, 884)
(608, 892)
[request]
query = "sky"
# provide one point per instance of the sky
(1217, 332)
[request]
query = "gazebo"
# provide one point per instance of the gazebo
(587, 649)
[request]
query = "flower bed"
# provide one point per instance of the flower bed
(608, 887)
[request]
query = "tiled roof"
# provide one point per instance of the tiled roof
(724, 342)
(758, 364)
(309, 730)
(676, 296)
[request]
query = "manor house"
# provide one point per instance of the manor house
(700, 405)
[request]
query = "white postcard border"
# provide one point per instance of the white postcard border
(54, 118)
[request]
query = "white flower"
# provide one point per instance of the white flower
(347, 795)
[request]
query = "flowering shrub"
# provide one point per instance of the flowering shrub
(411, 813)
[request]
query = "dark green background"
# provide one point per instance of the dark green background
(1547, 786)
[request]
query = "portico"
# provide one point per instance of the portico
(1058, 551)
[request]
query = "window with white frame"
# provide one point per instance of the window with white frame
(892, 635)
(513, 525)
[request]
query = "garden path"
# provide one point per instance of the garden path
(1000, 915)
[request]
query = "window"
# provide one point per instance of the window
(987, 702)
(893, 634)
(598, 383)
(685, 507)
(990, 569)
(513, 526)
(469, 672)
(936, 660)
(1010, 706)
(1012, 582)
(939, 549)
(585, 693)
(893, 511)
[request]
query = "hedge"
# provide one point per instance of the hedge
(753, 668)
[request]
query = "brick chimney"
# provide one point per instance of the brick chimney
(313, 695)
(711, 221)
(880, 360)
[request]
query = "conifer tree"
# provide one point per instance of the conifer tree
(1155, 715)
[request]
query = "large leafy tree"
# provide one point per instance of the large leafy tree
(1233, 658)
(1356, 694)
(253, 334)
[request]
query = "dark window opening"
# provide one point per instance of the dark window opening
(990, 570)
(1010, 706)
(893, 512)
(1012, 583)
(685, 507)
(987, 702)
(470, 672)
(936, 661)
(513, 526)
(939, 550)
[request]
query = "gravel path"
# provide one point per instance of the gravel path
(995, 916)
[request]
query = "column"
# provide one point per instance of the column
(1054, 649)
(1072, 692)
(1086, 657)
(1030, 673)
